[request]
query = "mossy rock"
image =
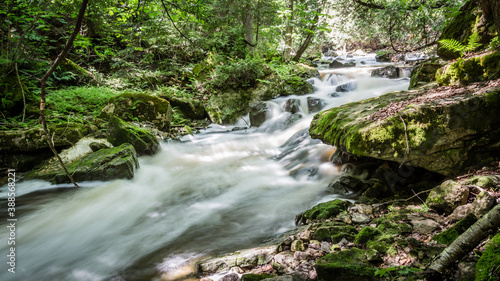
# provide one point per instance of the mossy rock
(466, 71)
(489, 181)
(424, 73)
(191, 108)
(323, 211)
(120, 132)
(447, 196)
(443, 136)
(344, 266)
(334, 232)
(305, 71)
(139, 107)
(366, 234)
(379, 246)
(452, 233)
(487, 268)
(255, 277)
(106, 164)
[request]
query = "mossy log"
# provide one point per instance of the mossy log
(466, 242)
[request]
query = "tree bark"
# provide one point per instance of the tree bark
(491, 9)
(248, 27)
(60, 57)
(465, 242)
(288, 33)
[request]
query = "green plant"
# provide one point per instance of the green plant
(494, 43)
(394, 272)
(455, 46)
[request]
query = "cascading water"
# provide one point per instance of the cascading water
(217, 191)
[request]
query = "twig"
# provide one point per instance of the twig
(406, 136)
(404, 200)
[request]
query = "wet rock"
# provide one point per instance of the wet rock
(292, 106)
(292, 119)
(230, 277)
(106, 164)
(120, 132)
(383, 57)
(315, 104)
(344, 265)
(348, 185)
(447, 196)
(297, 245)
(346, 87)
(139, 107)
(424, 73)
(323, 211)
(386, 72)
(341, 64)
(244, 258)
(259, 112)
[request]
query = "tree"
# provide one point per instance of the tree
(491, 9)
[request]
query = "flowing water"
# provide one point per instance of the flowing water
(217, 191)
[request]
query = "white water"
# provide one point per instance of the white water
(215, 192)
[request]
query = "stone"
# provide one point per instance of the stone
(466, 71)
(280, 278)
(304, 235)
(292, 119)
(334, 232)
(292, 106)
(191, 108)
(383, 57)
(230, 277)
(447, 196)
(442, 136)
(366, 234)
(345, 265)
(254, 277)
(106, 164)
(448, 236)
(360, 218)
(286, 262)
(139, 107)
(297, 245)
(96, 146)
(341, 64)
(259, 112)
(346, 87)
(483, 203)
(425, 226)
(348, 185)
(323, 211)
(424, 73)
(386, 72)
(120, 132)
(244, 259)
(315, 104)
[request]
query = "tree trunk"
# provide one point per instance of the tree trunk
(288, 35)
(466, 242)
(491, 9)
(60, 57)
(307, 41)
(248, 26)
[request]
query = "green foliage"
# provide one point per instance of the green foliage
(395, 272)
(455, 46)
(488, 266)
(237, 73)
(494, 43)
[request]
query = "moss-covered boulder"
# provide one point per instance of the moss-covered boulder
(120, 132)
(24, 149)
(438, 130)
(255, 277)
(424, 73)
(366, 234)
(139, 107)
(447, 196)
(487, 268)
(334, 232)
(452, 233)
(191, 108)
(105, 164)
(469, 20)
(323, 211)
(345, 266)
(466, 71)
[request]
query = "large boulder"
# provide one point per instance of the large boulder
(447, 196)
(424, 73)
(439, 130)
(191, 108)
(120, 132)
(345, 265)
(259, 112)
(23, 149)
(466, 71)
(105, 164)
(386, 72)
(139, 107)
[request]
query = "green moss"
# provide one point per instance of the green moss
(334, 232)
(448, 236)
(323, 211)
(255, 277)
(380, 246)
(484, 181)
(344, 265)
(488, 266)
(474, 69)
(120, 132)
(366, 234)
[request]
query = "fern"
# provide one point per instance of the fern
(455, 46)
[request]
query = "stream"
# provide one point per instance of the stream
(218, 191)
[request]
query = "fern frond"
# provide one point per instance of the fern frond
(452, 45)
(473, 42)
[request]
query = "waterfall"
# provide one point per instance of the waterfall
(217, 191)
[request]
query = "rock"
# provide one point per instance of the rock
(383, 57)
(362, 209)
(344, 265)
(297, 245)
(323, 211)
(24, 149)
(446, 139)
(120, 132)
(386, 72)
(292, 119)
(341, 64)
(244, 258)
(424, 73)
(346, 87)
(292, 106)
(259, 112)
(106, 164)
(305, 71)
(230, 277)
(286, 262)
(315, 104)
(366, 234)
(360, 218)
(466, 71)
(139, 107)
(191, 108)
(483, 203)
(447, 196)
(95, 146)
(304, 235)
(425, 226)
(254, 277)
(466, 270)
(487, 267)
(334, 232)
(280, 278)
(448, 236)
